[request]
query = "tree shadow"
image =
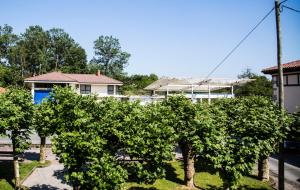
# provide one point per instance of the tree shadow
(59, 174)
(202, 165)
(43, 187)
(171, 174)
(7, 172)
(30, 156)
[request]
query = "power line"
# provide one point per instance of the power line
(291, 8)
(243, 39)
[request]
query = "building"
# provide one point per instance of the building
(291, 82)
(85, 84)
(196, 89)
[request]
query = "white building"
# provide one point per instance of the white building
(291, 82)
(97, 84)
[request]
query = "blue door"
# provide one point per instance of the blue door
(39, 95)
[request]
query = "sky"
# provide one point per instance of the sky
(175, 38)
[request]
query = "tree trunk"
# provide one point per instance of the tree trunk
(56, 63)
(263, 169)
(16, 167)
(189, 167)
(43, 150)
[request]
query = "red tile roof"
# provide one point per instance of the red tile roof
(2, 90)
(291, 66)
(79, 78)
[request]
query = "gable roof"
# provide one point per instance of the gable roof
(77, 78)
(291, 66)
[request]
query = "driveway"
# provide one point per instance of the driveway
(48, 178)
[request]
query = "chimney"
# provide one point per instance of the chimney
(98, 73)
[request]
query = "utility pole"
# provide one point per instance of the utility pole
(280, 95)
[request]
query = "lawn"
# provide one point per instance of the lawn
(7, 175)
(205, 178)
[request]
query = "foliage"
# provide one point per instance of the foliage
(252, 130)
(294, 133)
(135, 84)
(109, 57)
(7, 39)
(65, 54)
(197, 127)
(261, 86)
(94, 139)
(148, 138)
(43, 119)
(9, 77)
(37, 51)
(16, 110)
(88, 165)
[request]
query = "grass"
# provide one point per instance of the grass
(205, 178)
(7, 172)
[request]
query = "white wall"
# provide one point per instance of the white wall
(292, 98)
(99, 90)
(291, 93)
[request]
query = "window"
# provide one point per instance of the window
(110, 89)
(285, 80)
(274, 80)
(85, 89)
(293, 79)
(118, 89)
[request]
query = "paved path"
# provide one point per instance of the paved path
(292, 174)
(35, 139)
(48, 178)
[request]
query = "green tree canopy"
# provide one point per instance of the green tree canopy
(198, 129)
(135, 84)
(252, 130)
(115, 138)
(261, 86)
(109, 57)
(16, 110)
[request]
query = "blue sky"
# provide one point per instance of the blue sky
(169, 37)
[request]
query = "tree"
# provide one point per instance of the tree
(147, 139)
(9, 75)
(44, 124)
(16, 109)
(35, 44)
(252, 131)
(109, 57)
(261, 86)
(197, 127)
(7, 40)
(65, 54)
(135, 84)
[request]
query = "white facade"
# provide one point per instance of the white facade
(291, 81)
(100, 90)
